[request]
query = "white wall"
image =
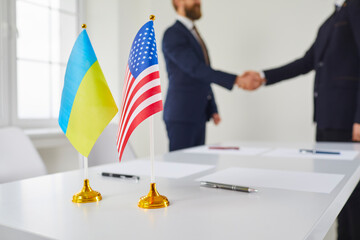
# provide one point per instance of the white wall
(240, 35)
(258, 35)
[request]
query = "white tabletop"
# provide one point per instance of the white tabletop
(41, 208)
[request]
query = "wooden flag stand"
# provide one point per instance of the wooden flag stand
(153, 199)
(86, 194)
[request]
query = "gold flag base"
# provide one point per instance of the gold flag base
(86, 194)
(153, 199)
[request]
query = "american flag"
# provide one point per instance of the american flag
(141, 95)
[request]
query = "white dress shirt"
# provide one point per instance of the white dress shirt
(339, 3)
(189, 24)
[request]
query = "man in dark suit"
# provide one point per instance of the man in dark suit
(335, 56)
(190, 100)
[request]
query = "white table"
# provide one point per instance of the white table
(41, 208)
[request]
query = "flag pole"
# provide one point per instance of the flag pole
(152, 150)
(86, 194)
(85, 161)
(153, 199)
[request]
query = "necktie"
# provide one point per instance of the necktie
(203, 47)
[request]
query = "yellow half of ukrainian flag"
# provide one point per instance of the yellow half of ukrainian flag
(87, 105)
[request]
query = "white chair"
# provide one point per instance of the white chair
(105, 151)
(18, 156)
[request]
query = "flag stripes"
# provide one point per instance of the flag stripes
(141, 99)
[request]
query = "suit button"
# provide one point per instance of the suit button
(209, 97)
(315, 94)
(320, 64)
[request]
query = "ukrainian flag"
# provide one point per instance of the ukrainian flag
(87, 105)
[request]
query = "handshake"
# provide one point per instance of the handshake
(250, 80)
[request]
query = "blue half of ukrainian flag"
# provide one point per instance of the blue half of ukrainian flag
(87, 105)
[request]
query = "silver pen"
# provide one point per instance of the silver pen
(227, 187)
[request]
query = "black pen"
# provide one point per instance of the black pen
(313, 151)
(227, 187)
(117, 175)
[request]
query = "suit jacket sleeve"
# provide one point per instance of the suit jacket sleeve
(300, 66)
(354, 21)
(176, 48)
(211, 106)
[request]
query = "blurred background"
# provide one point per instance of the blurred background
(36, 38)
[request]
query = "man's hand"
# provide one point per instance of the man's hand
(250, 80)
(216, 118)
(356, 132)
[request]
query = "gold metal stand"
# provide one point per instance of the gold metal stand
(86, 194)
(153, 199)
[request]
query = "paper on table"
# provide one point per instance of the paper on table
(290, 180)
(245, 151)
(161, 169)
(295, 153)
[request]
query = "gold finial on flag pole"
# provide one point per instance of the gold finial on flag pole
(152, 17)
(83, 26)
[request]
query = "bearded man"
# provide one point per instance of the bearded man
(190, 101)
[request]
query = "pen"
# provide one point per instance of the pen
(313, 151)
(123, 176)
(227, 187)
(224, 148)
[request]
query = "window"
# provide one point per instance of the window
(4, 66)
(36, 39)
(46, 32)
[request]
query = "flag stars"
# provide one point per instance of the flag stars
(143, 51)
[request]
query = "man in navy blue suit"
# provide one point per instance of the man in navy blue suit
(335, 56)
(190, 101)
